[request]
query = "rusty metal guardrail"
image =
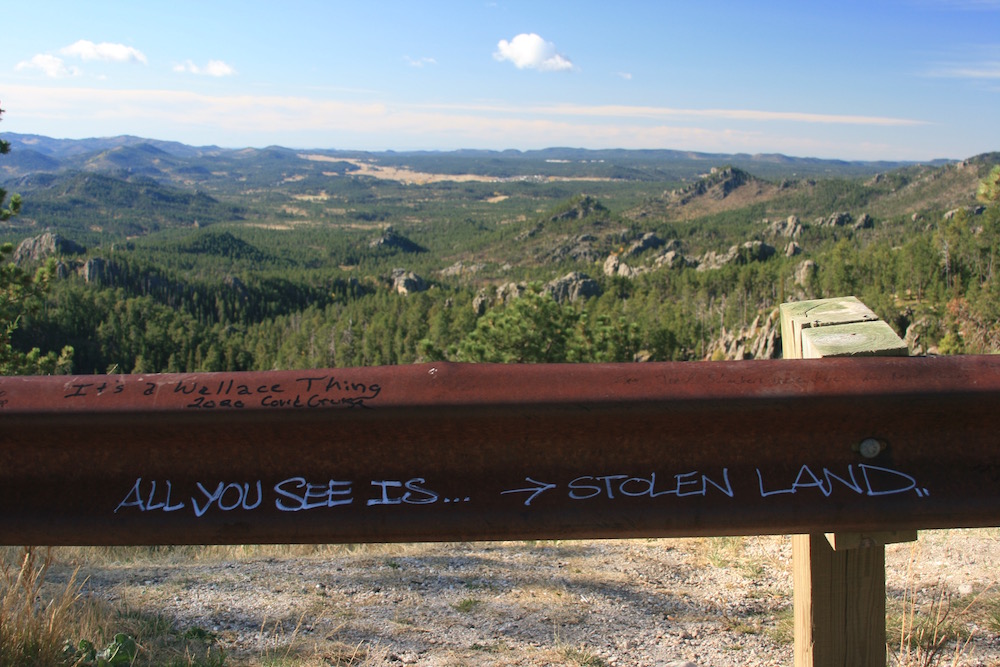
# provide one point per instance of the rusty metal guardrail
(482, 452)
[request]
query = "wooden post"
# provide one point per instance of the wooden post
(839, 578)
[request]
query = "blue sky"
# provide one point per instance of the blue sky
(893, 79)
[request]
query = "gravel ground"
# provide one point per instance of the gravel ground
(704, 602)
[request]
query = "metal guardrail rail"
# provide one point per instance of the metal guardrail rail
(448, 451)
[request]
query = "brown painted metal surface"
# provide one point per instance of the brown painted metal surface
(480, 452)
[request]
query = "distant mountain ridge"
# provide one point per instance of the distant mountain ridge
(159, 159)
(79, 200)
(130, 186)
(67, 148)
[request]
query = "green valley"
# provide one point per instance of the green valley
(165, 257)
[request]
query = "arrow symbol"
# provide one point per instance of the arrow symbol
(540, 487)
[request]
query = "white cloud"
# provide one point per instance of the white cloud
(48, 64)
(986, 70)
(419, 62)
(55, 66)
(215, 68)
(529, 51)
(309, 123)
(625, 75)
(621, 111)
(106, 51)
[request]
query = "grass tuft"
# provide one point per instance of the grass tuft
(930, 632)
(51, 624)
(581, 657)
(33, 630)
(467, 605)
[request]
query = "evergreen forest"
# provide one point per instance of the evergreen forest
(128, 255)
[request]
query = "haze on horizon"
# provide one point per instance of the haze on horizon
(891, 80)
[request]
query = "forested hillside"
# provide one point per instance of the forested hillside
(164, 257)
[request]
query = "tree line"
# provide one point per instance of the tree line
(139, 319)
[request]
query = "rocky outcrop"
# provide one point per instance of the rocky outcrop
(510, 291)
(98, 271)
(580, 248)
(839, 219)
(790, 227)
(63, 270)
(713, 260)
(572, 286)
(672, 259)
(579, 208)
(754, 251)
(760, 340)
(615, 267)
(969, 210)
(668, 256)
(804, 272)
(648, 241)
(864, 222)
(460, 268)
(392, 240)
(528, 233)
(108, 273)
(751, 251)
(481, 302)
(489, 296)
(718, 185)
(919, 336)
(407, 282)
(45, 245)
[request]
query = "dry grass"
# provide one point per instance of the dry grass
(34, 626)
(44, 617)
(47, 621)
(934, 628)
(929, 634)
(107, 556)
(476, 589)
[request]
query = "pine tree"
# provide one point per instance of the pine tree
(989, 187)
(19, 291)
(15, 201)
